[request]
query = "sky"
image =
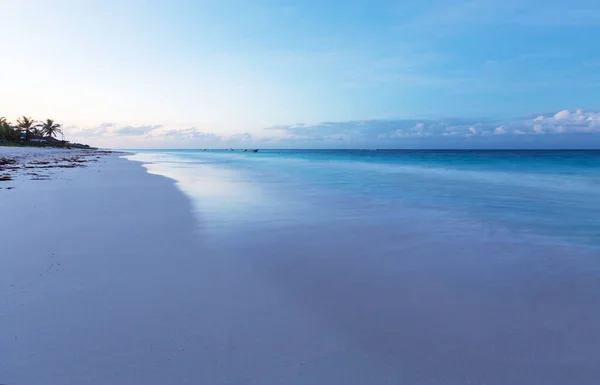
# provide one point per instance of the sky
(306, 74)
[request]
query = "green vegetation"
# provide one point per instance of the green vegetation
(7, 132)
(26, 124)
(28, 132)
(50, 128)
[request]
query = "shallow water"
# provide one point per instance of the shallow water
(433, 267)
(546, 194)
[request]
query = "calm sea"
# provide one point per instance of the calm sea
(434, 267)
(536, 196)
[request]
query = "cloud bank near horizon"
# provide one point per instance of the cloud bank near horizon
(562, 129)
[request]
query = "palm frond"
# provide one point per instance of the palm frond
(25, 123)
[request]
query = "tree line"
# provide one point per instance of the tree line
(32, 129)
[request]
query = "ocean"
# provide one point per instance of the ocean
(548, 197)
(433, 267)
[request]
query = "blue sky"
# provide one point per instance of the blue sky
(143, 73)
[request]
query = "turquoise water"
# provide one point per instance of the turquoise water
(554, 195)
(398, 267)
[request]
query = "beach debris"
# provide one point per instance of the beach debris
(4, 161)
(8, 164)
(15, 166)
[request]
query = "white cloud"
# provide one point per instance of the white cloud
(134, 130)
(561, 122)
(562, 115)
(565, 121)
(383, 132)
(189, 134)
(500, 130)
(538, 129)
(417, 129)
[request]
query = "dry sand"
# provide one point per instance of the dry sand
(87, 286)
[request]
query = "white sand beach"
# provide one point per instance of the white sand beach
(87, 286)
(105, 280)
(111, 275)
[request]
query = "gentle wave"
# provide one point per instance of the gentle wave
(550, 195)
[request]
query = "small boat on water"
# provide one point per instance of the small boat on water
(246, 150)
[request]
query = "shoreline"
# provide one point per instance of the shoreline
(87, 269)
(108, 279)
(113, 273)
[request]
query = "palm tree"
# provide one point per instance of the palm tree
(5, 124)
(7, 132)
(26, 124)
(3, 128)
(37, 132)
(50, 128)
